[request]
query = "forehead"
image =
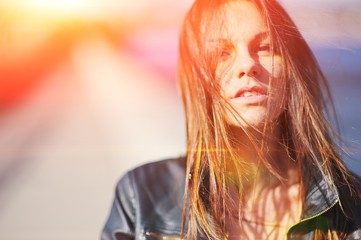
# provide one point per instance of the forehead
(241, 18)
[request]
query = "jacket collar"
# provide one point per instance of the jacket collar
(319, 197)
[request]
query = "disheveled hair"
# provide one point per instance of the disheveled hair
(306, 135)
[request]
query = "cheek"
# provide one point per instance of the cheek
(277, 85)
(278, 82)
(277, 67)
(273, 68)
(224, 77)
(223, 70)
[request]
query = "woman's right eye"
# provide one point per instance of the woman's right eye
(224, 54)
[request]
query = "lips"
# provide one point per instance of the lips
(249, 95)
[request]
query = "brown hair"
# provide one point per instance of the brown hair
(306, 135)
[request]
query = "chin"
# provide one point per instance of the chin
(247, 122)
(252, 120)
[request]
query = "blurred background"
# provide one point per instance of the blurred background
(88, 91)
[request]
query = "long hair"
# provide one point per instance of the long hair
(306, 134)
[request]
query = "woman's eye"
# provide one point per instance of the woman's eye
(263, 48)
(224, 54)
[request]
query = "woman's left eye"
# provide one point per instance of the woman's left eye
(263, 48)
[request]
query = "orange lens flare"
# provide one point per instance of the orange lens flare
(54, 7)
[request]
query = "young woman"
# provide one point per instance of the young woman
(262, 161)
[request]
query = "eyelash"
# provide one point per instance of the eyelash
(225, 54)
(264, 48)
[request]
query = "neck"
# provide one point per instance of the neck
(271, 195)
(266, 159)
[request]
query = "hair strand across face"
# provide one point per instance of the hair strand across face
(306, 135)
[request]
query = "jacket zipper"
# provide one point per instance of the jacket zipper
(160, 236)
(314, 216)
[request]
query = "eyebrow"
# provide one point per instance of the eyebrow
(258, 37)
(217, 40)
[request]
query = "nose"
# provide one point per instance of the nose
(247, 66)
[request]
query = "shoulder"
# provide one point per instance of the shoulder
(168, 166)
(148, 200)
(351, 203)
(350, 198)
(156, 174)
(153, 177)
(156, 193)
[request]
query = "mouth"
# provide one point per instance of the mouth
(250, 95)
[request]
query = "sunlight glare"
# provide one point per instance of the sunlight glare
(50, 7)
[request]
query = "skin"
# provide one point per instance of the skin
(267, 214)
(245, 62)
(271, 206)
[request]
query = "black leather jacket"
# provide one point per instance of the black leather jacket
(149, 200)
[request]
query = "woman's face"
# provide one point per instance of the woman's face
(249, 74)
